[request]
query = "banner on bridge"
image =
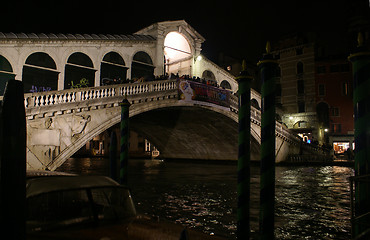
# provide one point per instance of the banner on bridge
(190, 91)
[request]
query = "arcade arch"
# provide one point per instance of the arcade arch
(176, 47)
(142, 66)
(39, 73)
(208, 75)
(79, 71)
(112, 69)
(6, 73)
(225, 84)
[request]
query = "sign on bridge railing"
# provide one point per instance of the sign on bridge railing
(190, 91)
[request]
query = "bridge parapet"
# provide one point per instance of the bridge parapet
(41, 99)
(47, 102)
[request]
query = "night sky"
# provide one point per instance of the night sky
(236, 28)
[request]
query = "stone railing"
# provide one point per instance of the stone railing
(42, 99)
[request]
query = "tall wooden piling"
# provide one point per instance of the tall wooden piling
(243, 212)
(113, 155)
(361, 100)
(125, 114)
(13, 163)
(268, 69)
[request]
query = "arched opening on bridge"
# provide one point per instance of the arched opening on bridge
(139, 146)
(209, 76)
(112, 69)
(225, 84)
(40, 73)
(177, 53)
(6, 73)
(142, 67)
(300, 124)
(79, 71)
(191, 133)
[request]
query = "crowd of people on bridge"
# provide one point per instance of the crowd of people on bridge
(166, 76)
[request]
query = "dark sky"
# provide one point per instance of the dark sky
(237, 28)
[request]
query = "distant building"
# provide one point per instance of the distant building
(295, 95)
(314, 92)
(334, 102)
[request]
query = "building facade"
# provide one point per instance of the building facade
(334, 96)
(314, 93)
(295, 95)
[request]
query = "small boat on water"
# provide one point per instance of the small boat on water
(66, 206)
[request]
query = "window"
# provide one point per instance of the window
(299, 51)
(339, 68)
(344, 89)
(299, 68)
(340, 147)
(321, 69)
(321, 89)
(278, 90)
(334, 111)
(300, 86)
(301, 106)
(336, 128)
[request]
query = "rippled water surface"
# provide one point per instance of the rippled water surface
(311, 202)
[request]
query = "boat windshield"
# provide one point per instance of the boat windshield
(71, 207)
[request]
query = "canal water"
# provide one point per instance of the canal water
(311, 202)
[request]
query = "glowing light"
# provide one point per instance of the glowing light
(326, 130)
(199, 58)
(290, 117)
(176, 47)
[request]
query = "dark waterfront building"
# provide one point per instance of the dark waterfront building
(334, 108)
(314, 92)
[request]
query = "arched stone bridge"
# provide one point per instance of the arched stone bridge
(61, 122)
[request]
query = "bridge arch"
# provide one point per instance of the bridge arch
(176, 47)
(6, 73)
(40, 73)
(79, 71)
(142, 65)
(178, 130)
(113, 69)
(208, 75)
(225, 84)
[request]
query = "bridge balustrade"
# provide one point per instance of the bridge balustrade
(75, 95)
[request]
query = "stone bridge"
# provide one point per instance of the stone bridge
(61, 122)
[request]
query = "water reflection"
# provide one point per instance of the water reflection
(311, 202)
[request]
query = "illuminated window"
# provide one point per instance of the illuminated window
(340, 147)
(336, 128)
(344, 89)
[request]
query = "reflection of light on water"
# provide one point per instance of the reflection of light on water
(311, 202)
